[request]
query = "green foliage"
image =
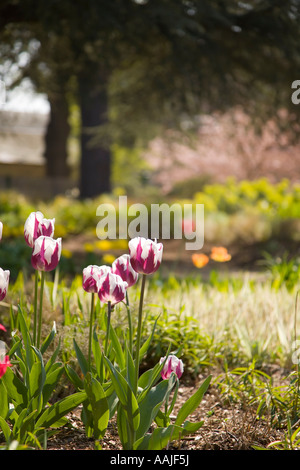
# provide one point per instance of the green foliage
(26, 392)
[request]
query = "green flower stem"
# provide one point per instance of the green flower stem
(108, 327)
(138, 340)
(129, 323)
(41, 308)
(91, 328)
(35, 306)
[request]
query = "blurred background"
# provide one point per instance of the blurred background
(160, 100)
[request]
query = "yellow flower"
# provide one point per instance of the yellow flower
(66, 253)
(200, 260)
(108, 258)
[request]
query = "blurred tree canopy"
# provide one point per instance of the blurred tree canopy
(138, 67)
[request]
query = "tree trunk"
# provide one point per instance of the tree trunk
(56, 138)
(95, 164)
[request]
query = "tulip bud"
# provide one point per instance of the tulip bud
(46, 253)
(1, 230)
(35, 226)
(4, 280)
(111, 288)
(145, 255)
(172, 364)
(90, 278)
(123, 268)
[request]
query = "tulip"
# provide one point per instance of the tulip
(123, 268)
(4, 280)
(1, 230)
(220, 254)
(145, 255)
(35, 226)
(2, 327)
(46, 253)
(4, 364)
(172, 364)
(90, 277)
(200, 260)
(4, 359)
(111, 288)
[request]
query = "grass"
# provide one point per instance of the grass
(210, 323)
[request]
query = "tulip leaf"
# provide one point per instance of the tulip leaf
(26, 339)
(81, 359)
(16, 389)
(159, 438)
(59, 409)
(150, 405)
(73, 377)
(125, 395)
(99, 405)
(3, 400)
(51, 381)
(120, 357)
(49, 339)
(192, 403)
(5, 429)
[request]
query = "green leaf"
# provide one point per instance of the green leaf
(99, 405)
(151, 404)
(52, 359)
(59, 409)
(26, 339)
(97, 353)
(5, 429)
(3, 401)
(192, 403)
(145, 346)
(74, 377)
(120, 357)
(130, 369)
(15, 388)
(81, 359)
(49, 339)
(159, 438)
(126, 396)
(51, 382)
(191, 428)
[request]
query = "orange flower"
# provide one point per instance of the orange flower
(200, 260)
(220, 254)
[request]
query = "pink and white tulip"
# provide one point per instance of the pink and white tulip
(172, 364)
(1, 230)
(111, 288)
(4, 281)
(46, 253)
(123, 268)
(90, 278)
(35, 226)
(145, 255)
